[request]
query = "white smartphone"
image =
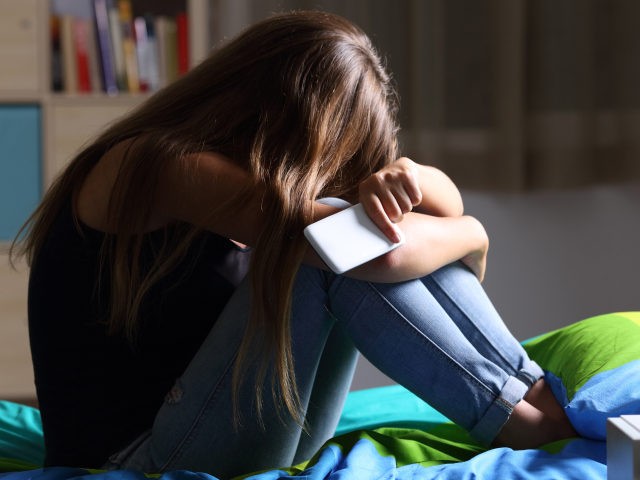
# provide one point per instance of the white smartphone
(348, 238)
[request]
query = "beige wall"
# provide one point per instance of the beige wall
(16, 376)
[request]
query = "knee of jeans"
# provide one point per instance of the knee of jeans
(175, 394)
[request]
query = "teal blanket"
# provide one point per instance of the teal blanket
(593, 367)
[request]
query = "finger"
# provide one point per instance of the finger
(413, 192)
(376, 212)
(402, 199)
(377, 193)
(389, 187)
(409, 178)
(392, 206)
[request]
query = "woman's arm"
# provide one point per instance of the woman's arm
(431, 241)
(193, 193)
(427, 206)
(404, 186)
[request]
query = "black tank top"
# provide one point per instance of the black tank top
(98, 392)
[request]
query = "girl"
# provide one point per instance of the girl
(179, 320)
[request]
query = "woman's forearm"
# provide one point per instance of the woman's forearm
(436, 231)
(431, 243)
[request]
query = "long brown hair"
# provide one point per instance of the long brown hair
(301, 101)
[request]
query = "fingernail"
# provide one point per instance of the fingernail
(396, 235)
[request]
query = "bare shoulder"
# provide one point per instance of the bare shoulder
(201, 188)
(93, 197)
(190, 189)
(92, 202)
(197, 182)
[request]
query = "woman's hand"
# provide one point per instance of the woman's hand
(390, 193)
(435, 225)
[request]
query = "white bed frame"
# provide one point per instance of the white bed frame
(623, 448)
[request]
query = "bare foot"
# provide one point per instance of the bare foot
(530, 427)
(541, 397)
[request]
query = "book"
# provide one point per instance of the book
(142, 53)
(165, 31)
(147, 52)
(81, 49)
(115, 29)
(182, 34)
(67, 48)
(98, 45)
(105, 46)
(129, 46)
(154, 74)
(95, 73)
(56, 54)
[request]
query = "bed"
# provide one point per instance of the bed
(593, 367)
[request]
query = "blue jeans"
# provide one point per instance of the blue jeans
(439, 336)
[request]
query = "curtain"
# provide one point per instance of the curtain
(509, 95)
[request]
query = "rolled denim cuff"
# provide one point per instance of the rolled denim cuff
(499, 411)
(530, 374)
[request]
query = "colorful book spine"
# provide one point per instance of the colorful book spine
(69, 60)
(154, 74)
(56, 54)
(129, 46)
(105, 46)
(171, 49)
(142, 53)
(165, 32)
(115, 29)
(94, 58)
(182, 33)
(81, 47)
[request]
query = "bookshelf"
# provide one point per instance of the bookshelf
(70, 118)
